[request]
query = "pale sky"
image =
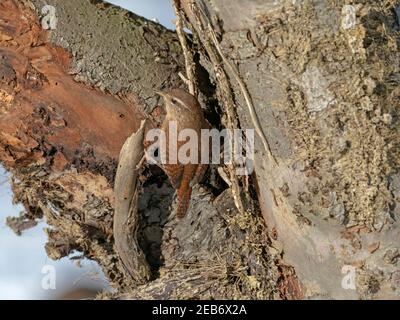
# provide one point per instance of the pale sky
(151, 9)
(22, 258)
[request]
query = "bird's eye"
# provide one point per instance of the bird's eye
(174, 101)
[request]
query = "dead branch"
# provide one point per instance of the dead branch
(126, 217)
(188, 55)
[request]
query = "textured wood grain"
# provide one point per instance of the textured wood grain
(126, 216)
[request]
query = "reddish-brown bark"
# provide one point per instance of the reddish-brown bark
(42, 109)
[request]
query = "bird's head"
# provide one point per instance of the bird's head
(178, 102)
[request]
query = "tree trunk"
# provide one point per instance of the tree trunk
(316, 80)
(322, 79)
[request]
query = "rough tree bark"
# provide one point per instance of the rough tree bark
(322, 77)
(317, 80)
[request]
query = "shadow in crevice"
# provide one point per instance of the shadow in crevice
(154, 209)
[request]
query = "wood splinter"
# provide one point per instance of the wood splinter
(126, 216)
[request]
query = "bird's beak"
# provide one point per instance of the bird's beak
(160, 93)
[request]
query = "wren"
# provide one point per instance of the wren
(185, 111)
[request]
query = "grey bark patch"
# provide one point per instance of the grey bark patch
(349, 18)
(248, 12)
(317, 90)
(139, 56)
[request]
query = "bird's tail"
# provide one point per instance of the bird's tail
(183, 202)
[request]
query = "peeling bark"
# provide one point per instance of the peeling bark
(61, 137)
(46, 115)
(126, 216)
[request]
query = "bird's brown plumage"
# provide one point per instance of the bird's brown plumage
(183, 108)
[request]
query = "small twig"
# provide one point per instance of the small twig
(184, 79)
(187, 53)
(231, 120)
(245, 92)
